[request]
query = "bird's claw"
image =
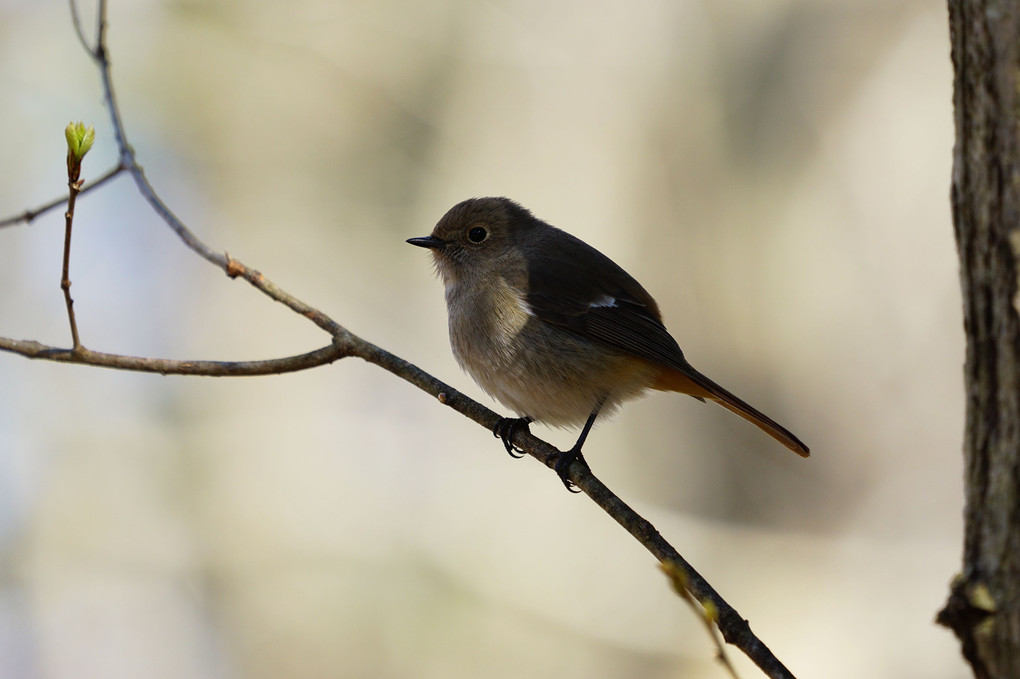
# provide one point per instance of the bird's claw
(562, 467)
(506, 428)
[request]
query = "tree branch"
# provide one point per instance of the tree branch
(734, 628)
(28, 216)
(79, 141)
(166, 366)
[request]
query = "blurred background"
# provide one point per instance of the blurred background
(775, 172)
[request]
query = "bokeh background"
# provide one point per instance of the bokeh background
(775, 171)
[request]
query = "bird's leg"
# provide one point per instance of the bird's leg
(506, 428)
(567, 458)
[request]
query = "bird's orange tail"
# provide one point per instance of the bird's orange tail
(695, 384)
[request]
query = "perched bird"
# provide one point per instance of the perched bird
(555, 330)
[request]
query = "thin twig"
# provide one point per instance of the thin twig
(77, 27)
(166, 366)
(101, 27)
(707, 614)
(100, 56)
(28, 216)
(73, 187)
(230, 266)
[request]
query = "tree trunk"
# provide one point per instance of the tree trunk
(984, 604)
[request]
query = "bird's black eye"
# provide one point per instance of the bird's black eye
(478, 234)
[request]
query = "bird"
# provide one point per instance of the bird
(555, 330)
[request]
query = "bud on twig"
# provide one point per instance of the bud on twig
(79, 141)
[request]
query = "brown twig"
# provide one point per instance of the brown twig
(28, 216)
(76, 21)
(707, 614)
(734, 628)
(77, 147)
(65, 278)
(166, 366)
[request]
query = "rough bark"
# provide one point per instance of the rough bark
(984, 604)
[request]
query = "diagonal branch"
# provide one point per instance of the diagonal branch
(734, 628)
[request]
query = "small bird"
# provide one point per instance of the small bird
(555, 330)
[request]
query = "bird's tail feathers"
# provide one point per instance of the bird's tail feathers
(695, 384)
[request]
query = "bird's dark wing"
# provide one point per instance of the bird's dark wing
(592, 296)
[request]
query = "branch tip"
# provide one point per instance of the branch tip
(79, 140)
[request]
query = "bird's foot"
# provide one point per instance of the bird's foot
(506, 428)
(562, 466)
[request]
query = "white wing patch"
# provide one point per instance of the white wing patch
(604, 301)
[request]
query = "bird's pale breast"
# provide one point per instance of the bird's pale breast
(538, 370)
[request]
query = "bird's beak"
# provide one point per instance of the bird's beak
(430, 242)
